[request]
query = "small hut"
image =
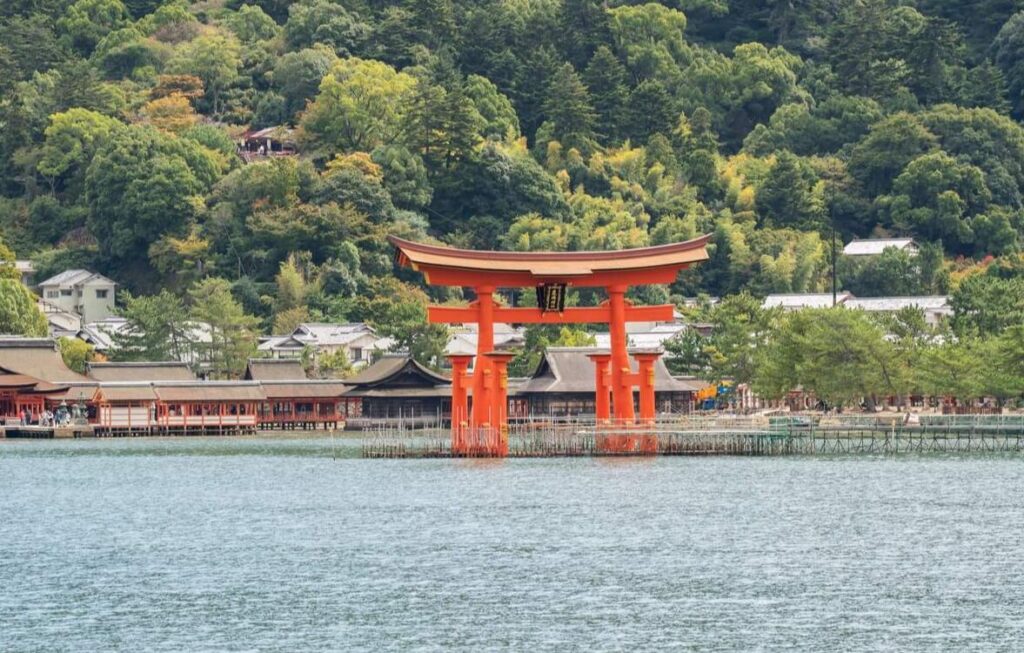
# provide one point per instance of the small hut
(270, 141)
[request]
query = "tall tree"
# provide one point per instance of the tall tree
(232, 331)
(569, 108)
(606, 79)
(19, 314)
(157, 329)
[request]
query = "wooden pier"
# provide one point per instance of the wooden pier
(728, 436)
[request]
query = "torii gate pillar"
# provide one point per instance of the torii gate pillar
(602, 403)
(460, 403)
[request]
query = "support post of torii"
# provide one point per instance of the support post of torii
(551, 273)
(459, 414)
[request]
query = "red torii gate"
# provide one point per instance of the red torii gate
(551, 273)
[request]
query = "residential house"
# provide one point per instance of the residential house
(87, 294)
(60, 322)
(647, 327)
(464, 339)
(936, 308)
(652, 338)
(101, 334)
(875, 246)
(270, 141)
(800, 301)
(27, 272)
(357, 340)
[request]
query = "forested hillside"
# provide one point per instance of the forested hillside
(523, 124)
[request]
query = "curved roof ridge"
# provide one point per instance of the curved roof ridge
(590, 255)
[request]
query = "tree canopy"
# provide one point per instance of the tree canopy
(569, 124)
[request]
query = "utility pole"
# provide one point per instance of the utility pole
(834, 302)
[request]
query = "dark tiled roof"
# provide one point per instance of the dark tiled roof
(210, 391)
(36, 357)
(270, 369)
(397, 370)
(141, 372)
(311, 389)
(569, 370)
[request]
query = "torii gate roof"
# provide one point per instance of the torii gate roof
(448, 266)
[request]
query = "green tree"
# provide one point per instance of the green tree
(891, 144)
(985, 304)
(75, 353)
(19, 314)
(405, 176)
(935, 196)
(72, 140)
(232, 331)
(498, 114)
(399, 311)
(569, 108)
(360, 106)
(334, 365)
(787, 196)
(157, 329)
(88, 21)
(650, 36)
(840, 355)
(606, 79)
(650, 110)
(250, 24)
(893, 273)
(297, 76)
(214, 58)
(142, 184)
(320, 21)
(291, 288)
(954, 368)
(861, 50)
(1008, 51)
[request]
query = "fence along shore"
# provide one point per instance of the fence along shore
(697, 435)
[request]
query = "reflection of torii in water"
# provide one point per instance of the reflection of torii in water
(551, 273)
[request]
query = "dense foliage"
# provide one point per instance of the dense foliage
(849, 357)
(555, 124)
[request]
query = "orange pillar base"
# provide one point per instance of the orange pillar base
(602, 398)
(498, 441)
(460, 403)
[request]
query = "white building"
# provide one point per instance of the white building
(464, 338)
(194, 347)
(357, 340)
(87, 294)
(936, 308)
(653, 338)
(875, 246)
(60, 322)
(100, 334)
(799, 301)
(26, 270)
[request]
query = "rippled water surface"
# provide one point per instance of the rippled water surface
(297, 545)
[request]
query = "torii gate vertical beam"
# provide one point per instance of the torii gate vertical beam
(482, 367)
(622, 392)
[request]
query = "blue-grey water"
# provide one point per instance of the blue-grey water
(297, 545)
